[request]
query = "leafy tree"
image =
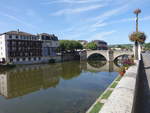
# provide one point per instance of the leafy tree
(147, 46)
(71, 45)
(91, 45)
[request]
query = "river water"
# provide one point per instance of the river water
(69, 87)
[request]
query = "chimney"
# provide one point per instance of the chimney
(17, 30)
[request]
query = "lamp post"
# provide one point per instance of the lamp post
(137, 11)
(137, 50)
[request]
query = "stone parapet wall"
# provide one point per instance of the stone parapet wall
(122, 98)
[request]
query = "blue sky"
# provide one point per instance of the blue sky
(109, 20)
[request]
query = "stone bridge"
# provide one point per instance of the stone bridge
(108, 54)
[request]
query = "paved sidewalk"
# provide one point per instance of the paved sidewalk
(121, 99)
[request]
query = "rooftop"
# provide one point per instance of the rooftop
(18, 33)
(98, 41)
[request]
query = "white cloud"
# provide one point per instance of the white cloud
(145, 18)
(108, 14)
(72, 1)
(100, 20)
(101, 35)
(130, 20)
(77, 10)
(100, 24)
(17, 20)
(103, 23)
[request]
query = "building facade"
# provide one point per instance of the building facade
(83, 42)
(101, 45)
(24, 48)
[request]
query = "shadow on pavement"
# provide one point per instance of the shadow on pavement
(142, 103)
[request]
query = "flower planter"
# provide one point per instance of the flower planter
(122, 73)
(126, 68)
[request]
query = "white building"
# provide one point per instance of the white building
(24, 48)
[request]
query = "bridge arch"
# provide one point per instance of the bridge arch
(103, 53)
(121, 53)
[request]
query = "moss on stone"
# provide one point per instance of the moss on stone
(119, 78)
(97, 107)
(114, 85)
(107, 94)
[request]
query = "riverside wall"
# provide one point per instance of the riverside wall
(123, 97)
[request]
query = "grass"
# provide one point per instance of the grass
(107, 94)
(119, 78)
(97, 107)
(114, 85)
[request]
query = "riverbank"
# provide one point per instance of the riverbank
(96, 107)
(119, 96)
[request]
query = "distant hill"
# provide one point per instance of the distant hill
(123, 46)
(129, 46)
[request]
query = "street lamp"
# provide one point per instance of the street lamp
(137, 46)
(137, 11)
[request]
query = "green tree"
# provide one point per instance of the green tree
(91, 45)
(71, 45)
(147, 46)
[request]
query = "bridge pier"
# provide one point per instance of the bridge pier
(83, 55)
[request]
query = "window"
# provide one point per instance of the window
(11, 60)
(18, 59)
(34, 59)
(17, 37)
(10, 36)
(24, 59)
(21, 37)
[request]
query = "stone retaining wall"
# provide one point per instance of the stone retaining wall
(122, 98)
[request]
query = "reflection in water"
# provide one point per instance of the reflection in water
(102, 66)
(97, 64)
(119, 60)
(23, 80)
(26, 79)
(55, 86)
(97, 57)
(70, 70)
